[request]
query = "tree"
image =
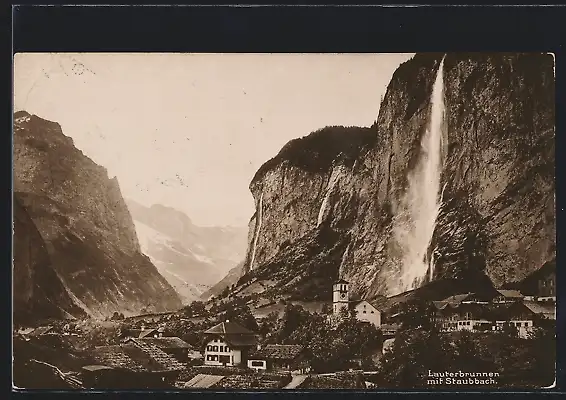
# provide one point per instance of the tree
(243, 316)
(293, 318)
(414, 352)
(196, 308)
(417, 314)
(117, 316)
(269, 325)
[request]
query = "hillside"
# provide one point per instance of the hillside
(85, 236)
(230, 279)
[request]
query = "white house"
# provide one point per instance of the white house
(368, 313)
(229, 344)
(364, 310)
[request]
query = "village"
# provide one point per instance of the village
(180, 351)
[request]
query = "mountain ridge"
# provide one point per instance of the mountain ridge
(84, 225)
(192, 258)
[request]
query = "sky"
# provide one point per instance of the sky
(189, 131)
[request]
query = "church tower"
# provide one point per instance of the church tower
(339, 296)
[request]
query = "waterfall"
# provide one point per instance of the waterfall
(257, 229)
(336, 173)
(420, 206)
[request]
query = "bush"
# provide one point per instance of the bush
(520, 362)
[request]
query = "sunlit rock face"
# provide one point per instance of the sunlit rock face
(455, 180)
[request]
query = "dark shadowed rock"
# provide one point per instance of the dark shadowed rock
(84, 223)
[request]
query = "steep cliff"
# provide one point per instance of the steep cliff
(192, 258)
(497, 213)
(37, 290)
(84, 223)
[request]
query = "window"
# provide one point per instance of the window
(209, 348)
(227, 349)
(372, 312)
(365, 312)
(215, 348)
(221, 349)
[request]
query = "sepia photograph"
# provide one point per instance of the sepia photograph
(285, 221)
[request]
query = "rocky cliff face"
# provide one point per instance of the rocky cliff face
(497, 216)
(192, 258)
(37, 290)
(83, 223)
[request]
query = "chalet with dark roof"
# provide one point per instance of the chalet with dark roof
(279, 357)
(541, 284)
(516, 314)
(130, 364)
(456, 314)
(229, 344)
(544, 310)
(173, 346)
(508, 296)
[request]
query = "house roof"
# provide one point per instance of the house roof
(167, 342)
(97, 367)
(203, 381)
(547, 310)
(42, 330)
(354, 304)
(26, 331)
(506, 311)
(236, 340)
(379, 302)
(134, 355)
(228, 328)
(341, 281)
(146, 332)
(278, 351)
(510, 293)
(440, 305)
(458, 298)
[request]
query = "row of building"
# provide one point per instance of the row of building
(148, 358)
(534, 304)
(231, 344)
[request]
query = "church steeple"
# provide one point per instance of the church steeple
(340, 296)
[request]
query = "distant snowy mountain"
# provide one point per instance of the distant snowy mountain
(191, 258)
